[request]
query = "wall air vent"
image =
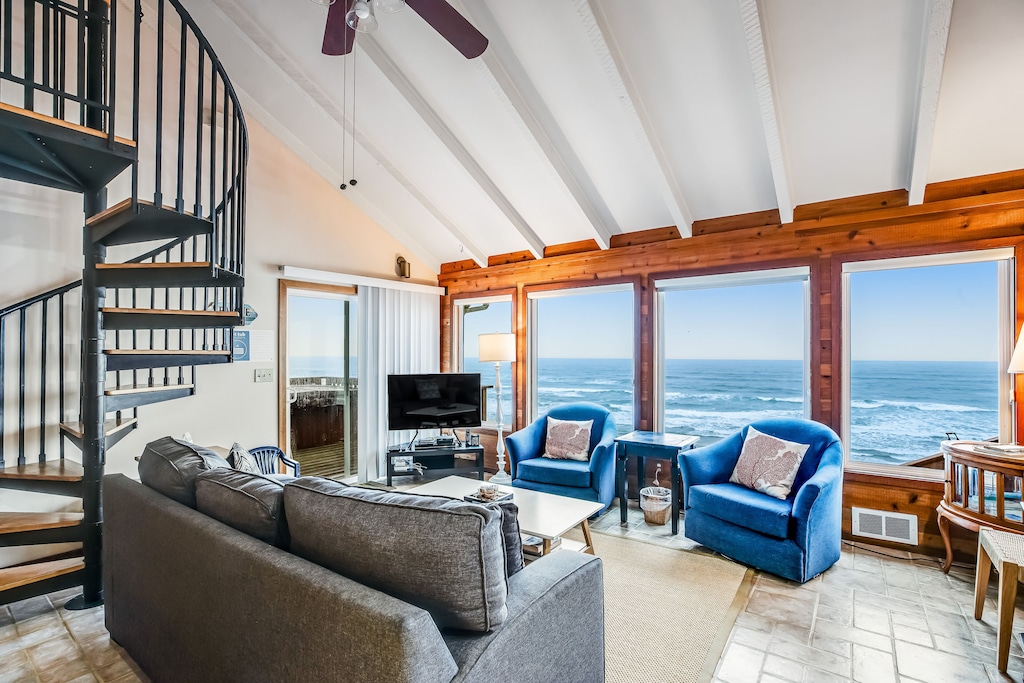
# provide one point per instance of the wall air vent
(885, 526)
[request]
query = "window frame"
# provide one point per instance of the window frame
(763, 276)
(1005, 296)
(533, 295)
(458, 329)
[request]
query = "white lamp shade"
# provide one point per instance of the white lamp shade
(497, 347)
(1017, 359)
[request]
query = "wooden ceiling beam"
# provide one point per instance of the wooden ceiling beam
(932, 60)
(571, 248)
(599, 29)
(977, 185)
(512, 82)
(755, 219)
(848, 205)
(754, 31)
(412, 95)
(630, 239)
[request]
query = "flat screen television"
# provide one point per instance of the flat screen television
(434, 401)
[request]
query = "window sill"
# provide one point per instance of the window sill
(866, 471)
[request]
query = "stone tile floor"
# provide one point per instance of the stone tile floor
(41, 641)
(878, 616)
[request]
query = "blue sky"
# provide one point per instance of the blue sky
(935, 313)
(316, 328)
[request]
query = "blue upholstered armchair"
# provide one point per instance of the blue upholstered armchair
(796, 538)
(591, 480)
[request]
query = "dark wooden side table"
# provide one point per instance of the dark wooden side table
(982, 490)
(643, 445)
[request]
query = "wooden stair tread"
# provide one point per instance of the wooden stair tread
(141, 388)
(12, 522)
(14, 577)
(153, 266)
(62, 123)
(77, 430)
(126, 205)
(54, 470)
(164, 352)
(162, 311)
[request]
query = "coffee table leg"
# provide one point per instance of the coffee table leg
(585, 527)
(546, 547)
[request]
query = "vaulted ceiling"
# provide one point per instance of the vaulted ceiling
(585, 119)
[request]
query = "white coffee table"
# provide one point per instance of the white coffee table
(545, 515)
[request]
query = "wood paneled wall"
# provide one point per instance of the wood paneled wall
(969, 214)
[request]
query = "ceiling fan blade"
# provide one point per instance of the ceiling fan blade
(452, 26)
(339, 37)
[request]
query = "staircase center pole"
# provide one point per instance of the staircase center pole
(93, 361)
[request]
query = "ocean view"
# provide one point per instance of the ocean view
(900, 412)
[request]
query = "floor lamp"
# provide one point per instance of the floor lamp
(1015, 368)
(498, 348)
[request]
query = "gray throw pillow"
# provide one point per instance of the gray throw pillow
(170, 467)
(511, 537)
(251, 503)
(443, 555)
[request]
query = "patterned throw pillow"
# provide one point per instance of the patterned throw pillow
(242, 459)
(768, 464)
(568, 439)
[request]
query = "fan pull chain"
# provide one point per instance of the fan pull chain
(353, 181)
(344, 116)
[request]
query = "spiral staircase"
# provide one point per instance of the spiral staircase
(126, 99)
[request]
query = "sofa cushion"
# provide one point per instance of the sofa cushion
(171, 466)
(251, 503)
(568, 439)
(768, 464)
(511, 537)
(559, 472)
(743, 507)
(443, 555)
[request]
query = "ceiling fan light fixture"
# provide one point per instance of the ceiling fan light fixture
(389, 6)
(361, 18)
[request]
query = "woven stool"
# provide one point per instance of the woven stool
(1005, 551)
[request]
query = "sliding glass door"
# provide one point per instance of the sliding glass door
(320, 357)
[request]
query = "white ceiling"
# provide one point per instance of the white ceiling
(589, 118)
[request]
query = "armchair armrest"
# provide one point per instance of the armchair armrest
(602, 464)
(711, 464)
(818, 506)
(524, 444)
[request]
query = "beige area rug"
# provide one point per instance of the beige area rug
(668, 612)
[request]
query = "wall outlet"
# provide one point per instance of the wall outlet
(266, 375)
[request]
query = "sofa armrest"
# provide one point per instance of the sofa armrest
(555, 623)
(524, 444)
(711, 464)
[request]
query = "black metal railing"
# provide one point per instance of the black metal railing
(45, 55)
(193, 157)
(40, 354)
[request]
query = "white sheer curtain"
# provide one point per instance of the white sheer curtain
(399, 332)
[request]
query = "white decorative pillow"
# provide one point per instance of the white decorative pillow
(768, 464)
(242, 460)
(568, 439)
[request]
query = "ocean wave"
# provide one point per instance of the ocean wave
(924, 407)
(780, 399)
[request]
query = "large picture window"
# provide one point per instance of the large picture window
(581, 349)
(926, 346)
(732, 349)
(482, 316)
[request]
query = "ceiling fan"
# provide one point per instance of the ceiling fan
(345, 17)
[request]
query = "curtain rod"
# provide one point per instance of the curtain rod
(327, 277)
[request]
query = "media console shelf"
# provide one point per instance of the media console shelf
(440, 460)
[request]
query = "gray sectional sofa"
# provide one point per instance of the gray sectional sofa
(315, 581)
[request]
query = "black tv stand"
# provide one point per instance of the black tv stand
(438, 460)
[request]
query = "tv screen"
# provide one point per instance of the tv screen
(434, 401)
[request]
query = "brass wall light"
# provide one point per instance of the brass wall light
(402, 268)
